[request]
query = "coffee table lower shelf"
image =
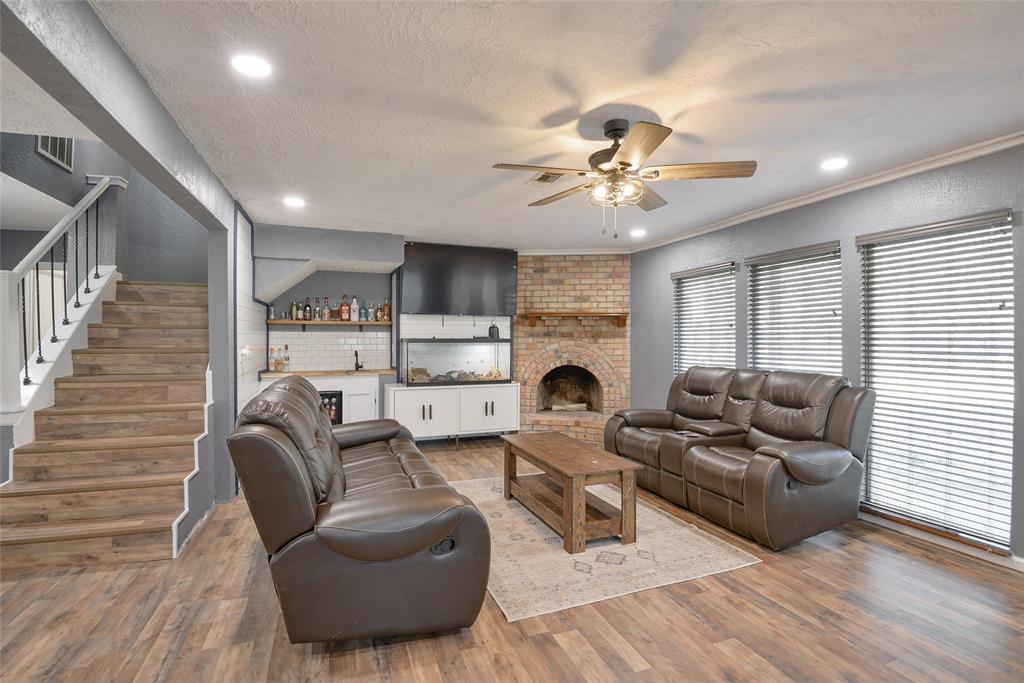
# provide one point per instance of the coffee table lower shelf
(543, 496)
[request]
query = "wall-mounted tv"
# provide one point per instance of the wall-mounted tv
(452, 280)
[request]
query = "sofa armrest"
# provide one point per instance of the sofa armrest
(810, 462)
(368, 431)
(390, 526)
(648, 417)
(714, 428)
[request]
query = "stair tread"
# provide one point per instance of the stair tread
(160, 304)
(82, 484)
(117, 443)
(162, 284)
(40, 532)
(145, 326)
(116, 408)
(160, 378)
(110, 350)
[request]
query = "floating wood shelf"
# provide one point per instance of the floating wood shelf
(533, 316)
(331, 323)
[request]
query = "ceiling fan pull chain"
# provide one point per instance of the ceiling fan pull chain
(604, 223)
(615, 233)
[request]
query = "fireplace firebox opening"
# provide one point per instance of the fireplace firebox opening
(569, 388)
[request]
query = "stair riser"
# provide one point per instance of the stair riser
(68, 507)
(76, 394)
(113, 462)
(96, 426)
(138, 363)
(162, 294)
(141, 314)
(148, 337)
(154, 545)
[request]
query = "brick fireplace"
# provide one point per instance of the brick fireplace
(572, 361)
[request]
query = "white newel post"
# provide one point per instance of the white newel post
(10, 384)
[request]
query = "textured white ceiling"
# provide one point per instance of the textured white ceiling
(23, 207)
(388, 116)
(27, 108)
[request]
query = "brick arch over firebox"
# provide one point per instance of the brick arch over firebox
(614, 386)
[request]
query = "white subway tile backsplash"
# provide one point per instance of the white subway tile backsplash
(334, 350)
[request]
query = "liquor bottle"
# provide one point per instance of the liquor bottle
(307, 313)
(280, 360)
(334, 410)
(316, 309)
(270, 313)
(371, 312)
(354, 311)
(343, 312)
(325, 312)
(272, 360)
(362, 312)
(387, 310)
(287, 360)
(294, 311)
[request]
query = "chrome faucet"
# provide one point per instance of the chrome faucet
(359, 366)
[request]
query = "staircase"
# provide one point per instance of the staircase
(104, 480)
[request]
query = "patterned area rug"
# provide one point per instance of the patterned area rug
(531, 573)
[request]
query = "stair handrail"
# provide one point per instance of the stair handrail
(102, 182)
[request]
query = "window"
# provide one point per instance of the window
(795, 311)
(938, 349)
(60, 151)
(704, 328)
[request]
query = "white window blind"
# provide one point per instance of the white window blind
(795, 312)
(704, 320)
(938, 349)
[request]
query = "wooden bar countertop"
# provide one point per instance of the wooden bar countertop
(326, 373)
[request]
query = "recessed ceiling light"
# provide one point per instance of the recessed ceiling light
(294, 202)
(834, 164)
(637, 232)
(251, 65)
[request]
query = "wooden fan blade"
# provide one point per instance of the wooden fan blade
(542, 169)
(718, 169)
(561, 195)
(641, 141)
(651, 200)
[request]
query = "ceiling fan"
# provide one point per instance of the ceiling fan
(617, 176)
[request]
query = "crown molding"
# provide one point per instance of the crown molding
(938, 161)
(573, 252)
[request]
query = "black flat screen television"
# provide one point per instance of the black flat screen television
(452, 280)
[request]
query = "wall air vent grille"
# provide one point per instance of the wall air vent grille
(60, 151)
(545, 178)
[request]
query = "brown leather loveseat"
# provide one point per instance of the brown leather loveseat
(775, 456)
(364, 537)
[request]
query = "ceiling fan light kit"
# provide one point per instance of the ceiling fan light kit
(619, 178)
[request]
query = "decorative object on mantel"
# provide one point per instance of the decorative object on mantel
(617, 178)
(532, 575)
(531, 317)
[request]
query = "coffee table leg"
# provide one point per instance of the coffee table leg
(510, 470)
(628, 507)
(574, 513)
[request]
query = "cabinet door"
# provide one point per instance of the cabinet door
(428, 412)
(361, 404)
(505, 408)
(492, 408)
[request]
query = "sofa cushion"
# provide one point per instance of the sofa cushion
(742, 397)
(699, 393)
(381, 467)
(639, 444)
(718, 469)
(794, 406)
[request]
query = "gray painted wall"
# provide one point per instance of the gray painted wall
(372, 287)
(156, 239)
(291, 242)
(976, 186)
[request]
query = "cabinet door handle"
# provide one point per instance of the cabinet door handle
(485, 407)
(492, 407)
(431, 411)
(423, 410)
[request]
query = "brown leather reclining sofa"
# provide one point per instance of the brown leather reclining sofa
(363, 536)
(774, 456)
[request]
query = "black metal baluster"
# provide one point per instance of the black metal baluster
(53, 304)
(86, 290)
(96, 275)
(39, 322)
(24, 332)
(77, 279)
(65, 279)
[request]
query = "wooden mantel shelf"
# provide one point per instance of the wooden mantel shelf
(532, 317)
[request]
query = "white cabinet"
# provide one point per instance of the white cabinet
(493, 408)
(360, 401)
(449, 411)
(430, 411)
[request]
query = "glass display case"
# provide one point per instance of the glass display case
(483, 360)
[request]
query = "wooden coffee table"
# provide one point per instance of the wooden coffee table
(559, 495)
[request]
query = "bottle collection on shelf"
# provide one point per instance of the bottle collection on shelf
(354, 312)
(279, 360)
